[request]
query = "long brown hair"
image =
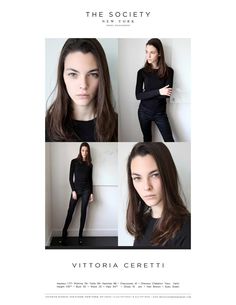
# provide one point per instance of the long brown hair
(162, 70)
(88, 157)
(59, 114)
(174, 211)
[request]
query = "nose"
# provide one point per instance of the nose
(83, 84)
(147, 185)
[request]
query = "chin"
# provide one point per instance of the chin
(151, 203)
(82, 102)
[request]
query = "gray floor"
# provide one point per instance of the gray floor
(104, 242)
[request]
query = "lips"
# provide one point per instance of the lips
(149, 196)
(83, 95)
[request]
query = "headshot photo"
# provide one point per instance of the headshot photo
(155, 195)
(154, 89)
(81, 90)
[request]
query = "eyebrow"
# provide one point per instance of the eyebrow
(135, 174)
(74, 70)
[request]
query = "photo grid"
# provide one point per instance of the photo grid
(118, 143)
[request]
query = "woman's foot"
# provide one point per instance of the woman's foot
(64, 236)
(80, 241)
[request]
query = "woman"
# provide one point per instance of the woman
(82, 110)
(154, 85)
(82, 187)
(156, 214)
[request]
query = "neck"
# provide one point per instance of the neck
(83, 113)
(155, 65)
(157, 210)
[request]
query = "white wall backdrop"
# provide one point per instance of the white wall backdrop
(53, 49)
(102, 213)
(182, 157)
(131, 59)
(48, 196)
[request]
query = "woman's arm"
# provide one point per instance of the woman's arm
(71, 176)
(91, 178)
(140, 94)
(164, 92)
(91, 198)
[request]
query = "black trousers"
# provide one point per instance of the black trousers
(84, 204)
(160, 119)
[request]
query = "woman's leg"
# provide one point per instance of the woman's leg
(84, 205)
(163, 124)
(70, 212)
(146, 125)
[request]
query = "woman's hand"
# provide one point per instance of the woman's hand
(91, 198)
(74, 195)
(166, 91)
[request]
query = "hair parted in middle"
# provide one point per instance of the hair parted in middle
(59, 114)
(88, 157)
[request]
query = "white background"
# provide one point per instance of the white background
(25, 265)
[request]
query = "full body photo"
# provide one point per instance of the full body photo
(81, 183)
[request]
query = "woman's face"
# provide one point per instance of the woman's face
(152, 55)
(81, 77)
(84, 152)
(147, 180)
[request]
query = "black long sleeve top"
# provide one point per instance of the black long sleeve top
(81, 176)
(182, 240)
(85, 130)
(147, 90)
(82, 131)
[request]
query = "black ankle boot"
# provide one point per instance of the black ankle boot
(80, 241)
(64, 237)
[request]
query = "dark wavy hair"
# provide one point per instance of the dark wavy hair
(174, 211)
(162, 71)
(88, 157)
(59, 115)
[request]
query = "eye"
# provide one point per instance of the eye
(136, 179)
(155, 175)
(72, 75)
(94, 74)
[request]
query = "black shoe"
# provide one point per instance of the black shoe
(80, 241)
(64, 238)
(63, 241)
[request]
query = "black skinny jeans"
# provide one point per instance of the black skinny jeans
(160, 119)
(85, 199)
